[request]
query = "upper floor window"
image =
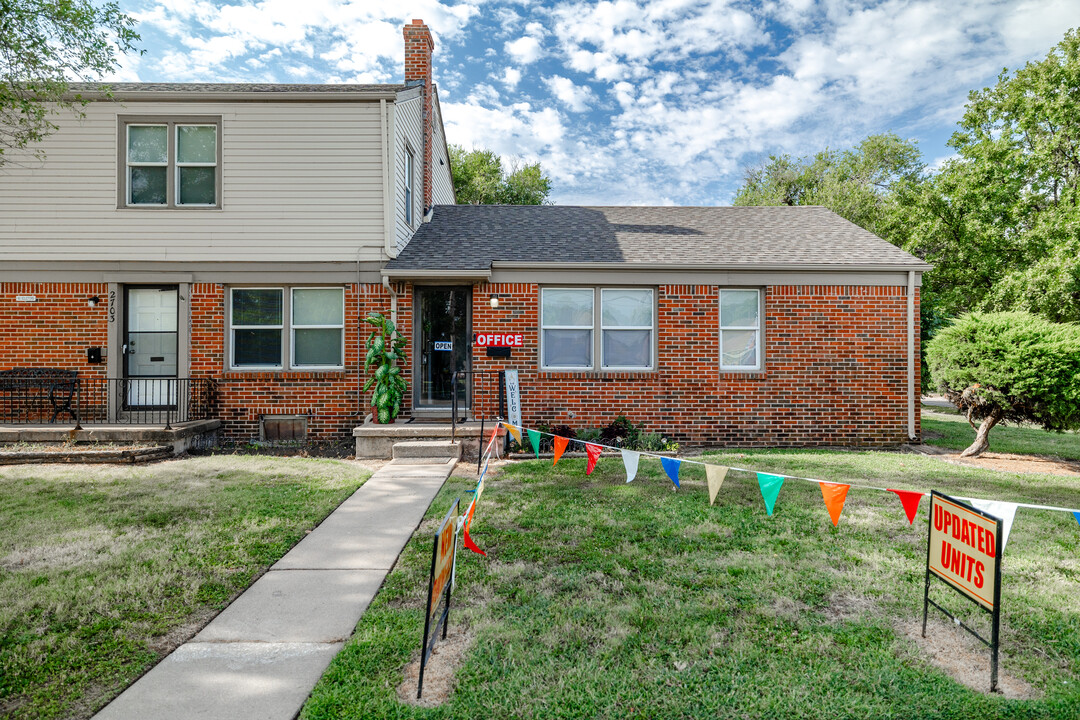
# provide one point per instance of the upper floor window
(626, 319)
(172, 163)
(408, 186)
(740, 329)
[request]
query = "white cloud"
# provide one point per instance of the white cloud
(511, 77)
(525, 49)
(577, 98)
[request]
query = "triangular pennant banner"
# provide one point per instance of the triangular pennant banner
(491, 442)
(911, 502)
(630, 461)
(593, 451)
(468, 521)
(1004, 510)
(515, 431)
(471, 545)
(671, 467)
(560, 448)
(479, 488)
(534, 438)
(1077, 516)
(835, 494)
(770, 488)
(715, 475)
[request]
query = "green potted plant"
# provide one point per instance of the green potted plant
(384, 349)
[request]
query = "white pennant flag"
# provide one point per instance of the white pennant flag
(630, 460)
(1004, 510)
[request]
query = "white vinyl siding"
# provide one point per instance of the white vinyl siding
(740, 329)
(301, 181)
(407, 134)
(442, 184)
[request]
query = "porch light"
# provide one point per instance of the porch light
(494, 300)
(93, 301)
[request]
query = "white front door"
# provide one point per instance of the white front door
(151, 346)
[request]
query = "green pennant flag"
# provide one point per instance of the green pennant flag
(770, 488)
(534, 438)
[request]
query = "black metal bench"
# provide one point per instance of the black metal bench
(24, 390)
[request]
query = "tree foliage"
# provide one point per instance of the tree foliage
(481, 179)
(1001, 221)
(44, 45)
(863, 184)
(1009, 367)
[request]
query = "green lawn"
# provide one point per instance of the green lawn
(950, 430)
(600, 599)
(104, 568)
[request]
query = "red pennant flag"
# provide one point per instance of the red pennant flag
(560, 447)
(911, 502)
(593, 451)
(834, 494)
(471, 545)
(468, 540)
(494, 434)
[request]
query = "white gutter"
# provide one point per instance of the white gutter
(913, 327)
(448, 274)
(389, 246)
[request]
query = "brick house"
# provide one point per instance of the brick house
(186, 240)
(750, 326)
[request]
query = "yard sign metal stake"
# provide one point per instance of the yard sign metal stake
(958, 553)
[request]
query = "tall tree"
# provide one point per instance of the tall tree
(44, 45)
(862, 184)
(1001, 221)
(481, 179)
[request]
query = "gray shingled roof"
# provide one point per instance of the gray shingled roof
(471, 237)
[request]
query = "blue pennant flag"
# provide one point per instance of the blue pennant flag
(1077, 516)
(671, 467)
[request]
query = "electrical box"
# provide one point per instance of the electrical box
(93, 355)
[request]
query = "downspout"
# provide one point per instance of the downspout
(393, 301)
(913, 328)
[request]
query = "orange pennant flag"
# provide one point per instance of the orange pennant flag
(835, 494)
(560, 447)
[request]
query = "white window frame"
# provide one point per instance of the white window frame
(293, 328)
(597, 331)
(178, 164)
(410, 170)
(288, 339)
(651, 328)
(128, 164)
(280, 328)
(760, 338)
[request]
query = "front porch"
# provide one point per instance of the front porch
(135, 442)
(377, 441)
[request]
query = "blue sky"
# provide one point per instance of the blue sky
(630, 101)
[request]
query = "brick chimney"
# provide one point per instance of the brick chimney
(418, 48)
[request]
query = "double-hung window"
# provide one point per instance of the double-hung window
(170, 163)
(570, 317)
(306, 326)
(740, 329)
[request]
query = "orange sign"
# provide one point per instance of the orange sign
(443, 562)
(964, 548)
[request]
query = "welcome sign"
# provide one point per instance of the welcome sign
(439, 586)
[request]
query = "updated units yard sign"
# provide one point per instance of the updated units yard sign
(964, 551)
(439, 586)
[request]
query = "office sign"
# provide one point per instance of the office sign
(499, 340)
(439, 586)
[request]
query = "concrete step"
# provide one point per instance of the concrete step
(427, 449)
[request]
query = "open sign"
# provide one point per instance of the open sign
(499, 339)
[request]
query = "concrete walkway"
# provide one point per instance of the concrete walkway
(263, 654)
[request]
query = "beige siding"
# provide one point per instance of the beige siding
(300, 181)
(442, 184)
(408, 133)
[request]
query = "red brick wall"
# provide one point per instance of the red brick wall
(329, 398)
(419, 46)
(835, 369)
(55, 330)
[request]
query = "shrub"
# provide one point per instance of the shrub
(1008, 367)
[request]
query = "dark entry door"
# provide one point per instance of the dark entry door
(151, 346)
(442, 324)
